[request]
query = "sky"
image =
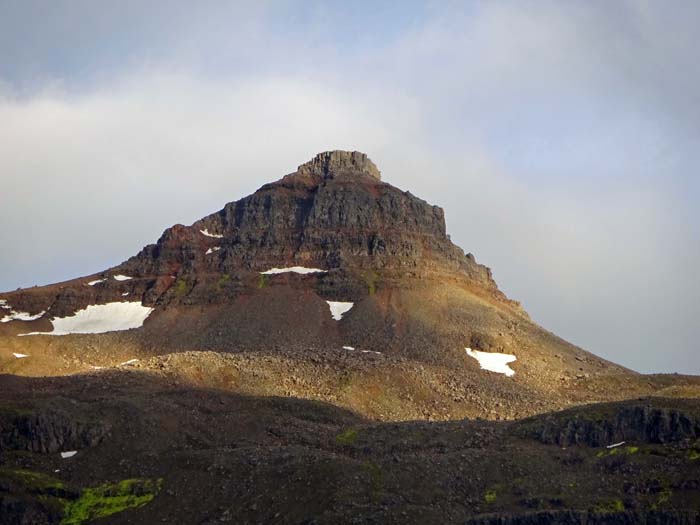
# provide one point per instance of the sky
(561, 138)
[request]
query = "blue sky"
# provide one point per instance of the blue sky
(561, 138)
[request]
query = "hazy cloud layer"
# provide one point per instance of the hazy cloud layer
(561, 138)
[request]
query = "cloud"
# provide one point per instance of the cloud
(88, 180)
(560, 138)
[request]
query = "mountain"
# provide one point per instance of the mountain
(321, 352)
(327, 284)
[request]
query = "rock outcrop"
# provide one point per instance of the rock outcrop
(47, 431)
(582, 517)
(601, 426)
(333, 213)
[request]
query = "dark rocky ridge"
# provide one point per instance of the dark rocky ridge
(605, 424)
(333, 213)
(49, 430)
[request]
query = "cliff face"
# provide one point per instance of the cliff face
(333, 213)
(605, 424)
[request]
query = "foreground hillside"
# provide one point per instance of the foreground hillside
(150, 450)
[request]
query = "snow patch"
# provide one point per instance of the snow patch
(614, 445)
(339, 308)
(294, 269)
(493, 361)
(19, 356)
(97, 281)
(68, 454)
(129, 362)
(125, 294)
(122, 278)
(371, 352)
(348, 348)
(21, 316)
(212, 250)
(100, 318)
(207, 234)
(3, 304)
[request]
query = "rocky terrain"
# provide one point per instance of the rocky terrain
(321, 352)
(153, 450)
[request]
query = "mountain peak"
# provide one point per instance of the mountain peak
(330, 164)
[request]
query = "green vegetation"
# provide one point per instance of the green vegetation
(32, 481)
(371, 279)
(612, 505)
(223, 280)
(109, 499)
(490, 496)
(91, 503)
(615, 451)
(262, 281)
(663, 498)
(693, 455)
(347, 437)
(14, 411)
(180, 287)
(376, 478)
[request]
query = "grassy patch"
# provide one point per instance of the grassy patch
(32, 481)
(608, 506)
(109, 499)
(376, 478)
(223, 280)
(347, 437)
(371, 280)
(14, 411)
(694, 455)
(262, 281)
(490, 496)
(180, 287)
(617, 451)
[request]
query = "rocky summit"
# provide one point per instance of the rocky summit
(321, 352)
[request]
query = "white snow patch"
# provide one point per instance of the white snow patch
(493, 361)
(68, 454)
(100, 318)
(3, 304)
(212, 250)
(348, 348)
(294, 269)
(339, 308)
(614, 445)
(19, 356)
(122, 278)
(214, 235)
(129, 362)
(125, 294)
(96, 367)
(21, 316)
(98, 281)
(371, 352)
